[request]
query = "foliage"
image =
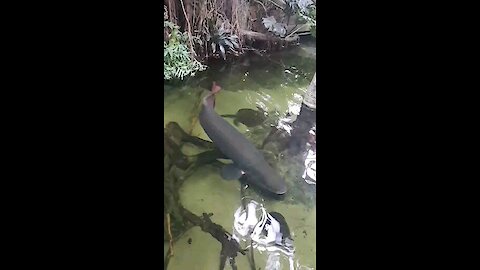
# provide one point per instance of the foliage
(213, 26)
(225, 41)
(178, 59)
(311, 18)
(307, 10)
(279, 29)
(301, 6)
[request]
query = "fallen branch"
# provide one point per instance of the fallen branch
(296, 30)
(265, 37)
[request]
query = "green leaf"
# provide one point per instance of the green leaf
(235, 44)
(222, 50)
(228, 43)
(214, 47)
(268, 22)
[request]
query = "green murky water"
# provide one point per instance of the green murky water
(275, 84)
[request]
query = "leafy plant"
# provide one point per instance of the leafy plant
(279, 29)
(300, 5)
(306, 9)
(178, 60)
(225, 41)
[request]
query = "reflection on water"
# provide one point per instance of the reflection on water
(310, 174)
(262, 98)
(265, 233)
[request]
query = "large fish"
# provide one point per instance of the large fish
(246, 158)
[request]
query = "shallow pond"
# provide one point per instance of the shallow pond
(273, 85)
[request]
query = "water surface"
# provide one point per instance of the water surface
(275, 84)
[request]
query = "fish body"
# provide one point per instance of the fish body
(236, 147)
